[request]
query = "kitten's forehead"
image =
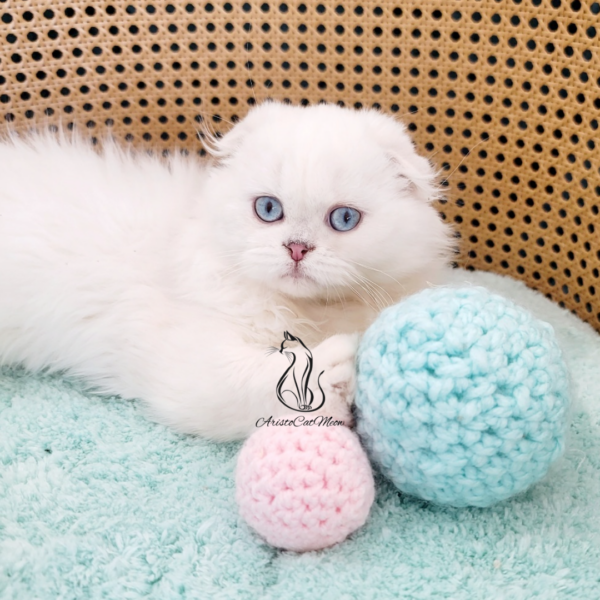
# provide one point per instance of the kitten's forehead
(316, 152)
(325, 128)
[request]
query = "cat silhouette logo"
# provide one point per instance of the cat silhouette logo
(293, 389)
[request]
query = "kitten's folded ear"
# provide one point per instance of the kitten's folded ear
(415, 173)
(221, 147)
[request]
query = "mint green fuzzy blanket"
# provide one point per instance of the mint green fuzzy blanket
(97, 502)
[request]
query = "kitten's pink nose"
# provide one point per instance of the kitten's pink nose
(297, 251)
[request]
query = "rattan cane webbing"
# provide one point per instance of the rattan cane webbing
(503, 95)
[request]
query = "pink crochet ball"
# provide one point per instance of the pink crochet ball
(304, 488)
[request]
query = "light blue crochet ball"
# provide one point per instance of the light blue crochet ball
(462, 396)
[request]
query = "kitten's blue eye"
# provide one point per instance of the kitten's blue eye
(268, 209)
(344, 218)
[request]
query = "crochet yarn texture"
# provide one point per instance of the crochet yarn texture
(304, 488)
(462, 396)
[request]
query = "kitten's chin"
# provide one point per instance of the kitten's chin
(298, 285)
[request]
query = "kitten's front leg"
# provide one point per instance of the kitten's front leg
(199, 376)
(336, 356)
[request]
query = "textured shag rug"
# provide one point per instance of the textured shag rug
(98, 502)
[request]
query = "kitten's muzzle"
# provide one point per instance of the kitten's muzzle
(298, 250)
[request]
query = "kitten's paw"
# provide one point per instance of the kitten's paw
(336, 357)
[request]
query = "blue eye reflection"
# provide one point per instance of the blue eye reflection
(268, 209)
(344, 218)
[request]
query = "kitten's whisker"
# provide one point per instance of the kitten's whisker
(381, 291)
(227, 254)
(378, 293)
(211, 115)
(337, 292)
(367, 291)
(466, 156)
(232, 271)
(378, 271)
(340, 298)
(362, 298)
(358, 295)
(377, 297)
(326, 292)
(386, 298)
(434, 154)
(236, 264)
(250, 80)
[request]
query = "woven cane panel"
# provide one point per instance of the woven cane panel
(504, 96)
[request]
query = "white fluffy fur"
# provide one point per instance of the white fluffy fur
(154, 279)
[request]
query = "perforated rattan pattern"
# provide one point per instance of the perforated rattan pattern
(503, 96)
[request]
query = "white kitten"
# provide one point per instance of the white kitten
(169, 280)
